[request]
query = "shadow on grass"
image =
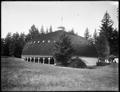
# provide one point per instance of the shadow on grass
(101, 65)
(92, 67)
(5, 56)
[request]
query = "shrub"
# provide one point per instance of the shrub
(102, 63)
(111, 58)
(77, 63)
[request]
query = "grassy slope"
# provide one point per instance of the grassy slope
(16, 74)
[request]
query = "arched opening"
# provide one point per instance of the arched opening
(32, 59)
(28, 59)
(36, 59)
(41, 60)
(46, 61)
(51, 60)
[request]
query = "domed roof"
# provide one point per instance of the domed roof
(44, 45)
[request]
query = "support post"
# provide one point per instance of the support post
(34, 59)
(43, 60)
(30, 59)
(27, 58)
(49, 60)
(54, 61)
(38, 60)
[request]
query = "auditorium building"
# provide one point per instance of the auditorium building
(40, 50)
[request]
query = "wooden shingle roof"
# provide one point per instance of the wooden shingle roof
(44, 45)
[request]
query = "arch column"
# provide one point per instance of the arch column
(43, 60)
(38, 59)
(30, 59)
(34, 60)
(27, 58)
(49, 60)
(54, 61)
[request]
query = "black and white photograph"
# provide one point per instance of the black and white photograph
(59, 46)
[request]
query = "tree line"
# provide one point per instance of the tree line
(106, 41)
(13, 44)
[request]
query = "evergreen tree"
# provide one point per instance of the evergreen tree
(104, 40)
(63, 50)
(72, 32)
(42, 30)
(14, 48)
(91, 40)
(107, 29)
(2, 46)
(47, 31)
(8, 41)
(86, 34)
(28, 37)
(21, 43)
(95, 36)
(33, 33)
(102, 46)
(114, 42)
(50, 30)
(13, 45)
(17, 44)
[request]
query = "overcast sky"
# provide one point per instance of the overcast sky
(20, 16)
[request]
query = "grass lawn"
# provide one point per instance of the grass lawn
(19, 75)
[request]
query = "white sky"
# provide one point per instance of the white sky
(19, 16)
